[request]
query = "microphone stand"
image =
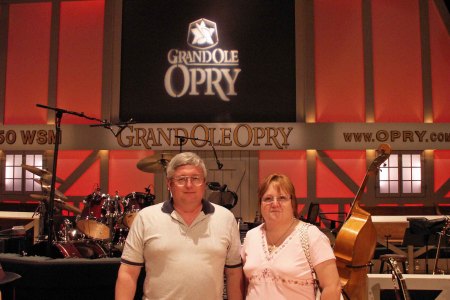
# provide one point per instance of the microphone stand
(183, 138)
(51, 200)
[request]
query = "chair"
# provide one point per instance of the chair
(332, 222)
(313, 214)
(397, 257)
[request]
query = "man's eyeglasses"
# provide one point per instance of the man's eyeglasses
(182, 180)
(271, 199)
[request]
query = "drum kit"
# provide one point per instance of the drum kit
(100, 228)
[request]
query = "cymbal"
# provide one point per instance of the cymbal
(44, 174)
(45, 186)
(58, 203)
(154, 163)
(40, 197)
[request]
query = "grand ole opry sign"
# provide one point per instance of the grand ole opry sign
(245, 136)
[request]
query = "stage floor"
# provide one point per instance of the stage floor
(64, 278)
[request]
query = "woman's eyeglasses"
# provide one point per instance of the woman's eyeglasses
(182, 180)
(271, 199)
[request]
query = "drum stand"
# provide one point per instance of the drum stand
(438, 249)
(108, 244)
(41, 210)
(111, 219)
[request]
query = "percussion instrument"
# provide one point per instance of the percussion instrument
(46, 176)
(154, 163)
(93, 220)
(133, 203)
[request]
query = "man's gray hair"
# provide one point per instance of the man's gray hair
(185, 158)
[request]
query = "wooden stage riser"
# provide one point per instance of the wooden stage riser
(415, 283)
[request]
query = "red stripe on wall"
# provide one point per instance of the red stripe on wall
(290, 163)
(27, 63)
(352, 162)
(124, 176)
(80, 59)
(441, 169)
(68, 162)
(440, 65)
(397, 61)
(339, 61)
(328, 185)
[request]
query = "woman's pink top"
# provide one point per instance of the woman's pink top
(284, 273)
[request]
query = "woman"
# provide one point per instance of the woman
(275, 264)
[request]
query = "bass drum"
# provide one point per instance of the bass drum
(81, 249)
(129, 218)
(72, 249)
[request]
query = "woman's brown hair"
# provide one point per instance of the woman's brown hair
(280, 182)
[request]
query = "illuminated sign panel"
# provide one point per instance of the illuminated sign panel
(215, 70)
(208, 61)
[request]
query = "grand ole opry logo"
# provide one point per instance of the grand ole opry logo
(204, 70)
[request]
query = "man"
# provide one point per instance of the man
(185, 243)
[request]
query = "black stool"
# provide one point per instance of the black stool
(397, 257)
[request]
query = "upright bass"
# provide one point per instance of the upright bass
(355, 243)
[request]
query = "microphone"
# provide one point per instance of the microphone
(108, 125)
(123, 125)
(182, 138)
(104, 124)
(215, 186)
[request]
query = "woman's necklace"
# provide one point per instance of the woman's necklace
(273, 246)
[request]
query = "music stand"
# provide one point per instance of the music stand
(421, 232)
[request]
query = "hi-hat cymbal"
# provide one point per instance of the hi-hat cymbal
(154, 163)
(45, 186)
(42, 197)
(44, 174)
(58, 203)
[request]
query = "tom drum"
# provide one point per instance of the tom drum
(133, 203)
